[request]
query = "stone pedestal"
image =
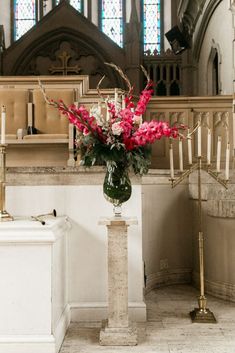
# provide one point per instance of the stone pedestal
(117, 331)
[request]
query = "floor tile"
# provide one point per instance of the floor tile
(169, 328)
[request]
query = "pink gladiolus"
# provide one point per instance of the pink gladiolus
(124, 128)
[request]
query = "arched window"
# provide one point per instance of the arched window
(24, 16)
(111, 19)
(215, 75)
(77, 4)
(152, 25)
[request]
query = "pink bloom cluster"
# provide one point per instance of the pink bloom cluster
(81, 118)
(145, 97)
(148, 132)
(124, 126)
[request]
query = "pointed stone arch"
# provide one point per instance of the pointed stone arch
(36, 51)
(40, 55)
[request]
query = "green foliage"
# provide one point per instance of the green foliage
(100, 154)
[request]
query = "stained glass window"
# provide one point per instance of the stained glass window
(24, 16)
(152, 25)
(77, 4)
(112, 19)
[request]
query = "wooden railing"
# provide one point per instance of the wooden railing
(215, 113)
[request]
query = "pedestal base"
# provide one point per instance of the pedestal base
(123, 336)
(202, 316)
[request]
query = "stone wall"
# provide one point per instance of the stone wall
(218, 228)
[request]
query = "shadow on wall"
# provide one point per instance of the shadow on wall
(167, 235)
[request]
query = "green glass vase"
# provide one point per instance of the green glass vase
(117, 185)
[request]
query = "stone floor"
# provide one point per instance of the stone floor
(169, 328)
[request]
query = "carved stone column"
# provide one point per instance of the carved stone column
(117, 330)
(133, 49)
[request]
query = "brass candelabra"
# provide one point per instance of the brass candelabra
(201, 314)
(4, 215)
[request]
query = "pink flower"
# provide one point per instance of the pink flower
(145, 96)
(126, 114)
(86, 131)
(124, 126)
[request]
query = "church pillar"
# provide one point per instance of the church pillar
(117, 331)
(188, 69)
(89, 9)
(95, 12)
(5, 20)
(133, 49)
(47, 6)
(232, 8)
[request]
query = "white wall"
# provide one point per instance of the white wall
(218, 225)
(220, 30)
(167, 231)
(87, 247)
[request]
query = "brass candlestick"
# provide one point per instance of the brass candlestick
(4, 215)
(201, 314)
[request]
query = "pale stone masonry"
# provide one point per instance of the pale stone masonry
(117, 331)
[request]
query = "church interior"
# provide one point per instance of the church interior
(175, 274)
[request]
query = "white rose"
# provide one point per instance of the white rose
(137, 119)
(117, 129)
(95, 111)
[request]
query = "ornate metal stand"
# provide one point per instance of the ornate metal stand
(4, 215)
(201, 314)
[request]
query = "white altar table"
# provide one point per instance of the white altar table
(33, 296)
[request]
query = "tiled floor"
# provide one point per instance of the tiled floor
(169, 328)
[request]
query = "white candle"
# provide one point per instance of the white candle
(116, 98)
(199, 140)
(209, 147)
(123, 102)
(181, 166)
(107, 109)
(30, 114)
(218, 154)
(227, 162)
(171, 160)
(107, 114)
(189, 149)
(99, 108)
(3, 126)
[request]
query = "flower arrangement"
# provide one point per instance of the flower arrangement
(120, 135)
(117, 137)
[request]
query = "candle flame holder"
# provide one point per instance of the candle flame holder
(4, 215)
(201, 314)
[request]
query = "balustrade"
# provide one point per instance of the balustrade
(165, 71)
(215, 113)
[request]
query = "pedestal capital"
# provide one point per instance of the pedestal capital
(118, 221)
